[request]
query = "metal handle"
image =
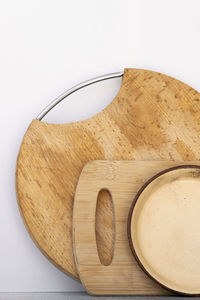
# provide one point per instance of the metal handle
(74, 89)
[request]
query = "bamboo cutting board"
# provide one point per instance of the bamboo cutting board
(153, 117)
(122, 179)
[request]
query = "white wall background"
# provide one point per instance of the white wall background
(47, 46)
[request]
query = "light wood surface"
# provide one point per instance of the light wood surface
(153, 117)
(165, 226)
(122, 179)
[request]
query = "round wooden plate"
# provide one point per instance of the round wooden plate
(153, 117)
(164, 228)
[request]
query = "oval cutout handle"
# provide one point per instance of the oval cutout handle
(105, 227)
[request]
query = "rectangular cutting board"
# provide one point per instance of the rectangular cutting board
(122, 179)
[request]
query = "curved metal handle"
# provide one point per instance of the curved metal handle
(74, 89)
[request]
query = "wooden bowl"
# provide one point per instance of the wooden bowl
(164, 228)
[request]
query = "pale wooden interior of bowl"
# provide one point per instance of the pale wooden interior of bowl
(165, 229)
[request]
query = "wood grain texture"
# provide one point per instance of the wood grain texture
(153, 117)
(123, 179)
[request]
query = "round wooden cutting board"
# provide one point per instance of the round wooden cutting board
(164, 228)
(153, 117)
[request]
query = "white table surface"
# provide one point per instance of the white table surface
(46, 47)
